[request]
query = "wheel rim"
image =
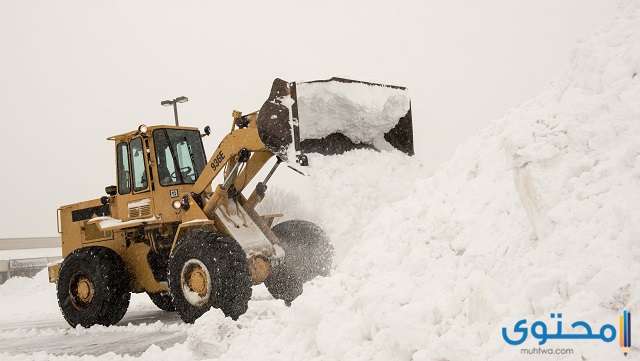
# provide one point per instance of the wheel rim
(195, 282)
(81, 290)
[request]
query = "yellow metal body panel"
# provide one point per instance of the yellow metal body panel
(81, 232)
(135, 257)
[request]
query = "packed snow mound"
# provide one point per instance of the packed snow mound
(353, 188)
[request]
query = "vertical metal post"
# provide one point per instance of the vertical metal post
(175, 111)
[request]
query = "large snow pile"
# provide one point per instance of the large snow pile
(535, 215)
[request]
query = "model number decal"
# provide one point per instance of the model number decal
(217, 161)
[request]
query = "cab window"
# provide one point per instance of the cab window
(122, 158)
(140, 181)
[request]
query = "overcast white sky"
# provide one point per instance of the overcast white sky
(73, 73)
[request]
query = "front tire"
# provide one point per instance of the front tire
(308, 254)
(209, 269)
(93, 287)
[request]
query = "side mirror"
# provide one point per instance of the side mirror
(207, 130)
(111, 190)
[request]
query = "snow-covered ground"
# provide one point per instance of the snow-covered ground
(536, 215)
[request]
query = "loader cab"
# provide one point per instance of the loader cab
(154, 166)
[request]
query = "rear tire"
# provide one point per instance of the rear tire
(308, 254)
(93, 287)
(162, 300)
(209, 269)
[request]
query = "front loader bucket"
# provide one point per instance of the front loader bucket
(334, 116)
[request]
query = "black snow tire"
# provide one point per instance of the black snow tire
(162, 300)
(93, 287)
(308, 254)
(209, 269)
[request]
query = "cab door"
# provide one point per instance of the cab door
(134, 193)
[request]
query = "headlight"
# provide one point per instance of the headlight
(177, 204)
(181, 203)
(142, 129)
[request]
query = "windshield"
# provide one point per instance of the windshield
(179, 155)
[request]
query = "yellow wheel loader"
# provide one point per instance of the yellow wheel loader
(167, 230)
